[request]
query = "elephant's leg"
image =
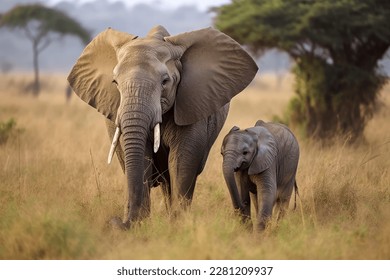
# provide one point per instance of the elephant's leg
(149, 178)
(266, 194)
(282, 205)
(246, 203)
(243, 185)
(165, 179)
(189, 148)
(255, 203)
(162, 175)
(183, 171)
(284, 196)
(166, 190)
(186, 161)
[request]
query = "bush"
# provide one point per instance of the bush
(6, 130)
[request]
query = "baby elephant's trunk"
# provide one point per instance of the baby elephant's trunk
(228, 172)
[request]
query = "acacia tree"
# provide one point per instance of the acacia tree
(336, 46)
(40, 25)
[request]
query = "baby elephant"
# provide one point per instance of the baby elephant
(262, 161)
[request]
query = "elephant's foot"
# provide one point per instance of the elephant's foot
(246, 221)
(117, 224)
(261, 227)
(248, 225)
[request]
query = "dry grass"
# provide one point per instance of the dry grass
(52, 207)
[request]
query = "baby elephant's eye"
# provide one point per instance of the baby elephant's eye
(245, 153)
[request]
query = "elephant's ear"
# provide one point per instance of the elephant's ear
(266, 150)
(234, 128)
(215, 69)
(260, 123)
(91, 76)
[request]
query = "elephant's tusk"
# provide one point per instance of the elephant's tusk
(156, 138)
(114, 144)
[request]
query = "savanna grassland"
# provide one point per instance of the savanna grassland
(57, 192)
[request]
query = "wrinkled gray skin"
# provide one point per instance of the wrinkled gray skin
(183, 82)
(262, 161)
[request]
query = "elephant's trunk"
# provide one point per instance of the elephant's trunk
(135, 132)
(228, 172)
(137, 119)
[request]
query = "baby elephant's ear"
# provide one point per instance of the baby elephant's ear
(260, 123)
(266, 150)
(234, 128)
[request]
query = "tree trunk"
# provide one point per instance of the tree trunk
(36, 85)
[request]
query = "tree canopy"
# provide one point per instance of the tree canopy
(50, 20)
(38, 23)
(336, 46)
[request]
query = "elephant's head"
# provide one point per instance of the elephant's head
(134, 81)
(252, 150)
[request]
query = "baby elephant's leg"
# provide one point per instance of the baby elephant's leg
(244, 185)
(266, 195)
(283, 200)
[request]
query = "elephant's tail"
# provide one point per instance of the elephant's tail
(300, 202)
(296, 193)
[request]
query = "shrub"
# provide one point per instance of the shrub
(6, 130)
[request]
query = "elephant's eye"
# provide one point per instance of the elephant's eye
(115, 82)
(245, 153)
(165, 81)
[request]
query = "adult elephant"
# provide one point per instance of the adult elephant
(180, 85)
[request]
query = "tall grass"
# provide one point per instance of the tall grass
(57, 193)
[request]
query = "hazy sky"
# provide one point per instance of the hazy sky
(16, 50)
(201, 4)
